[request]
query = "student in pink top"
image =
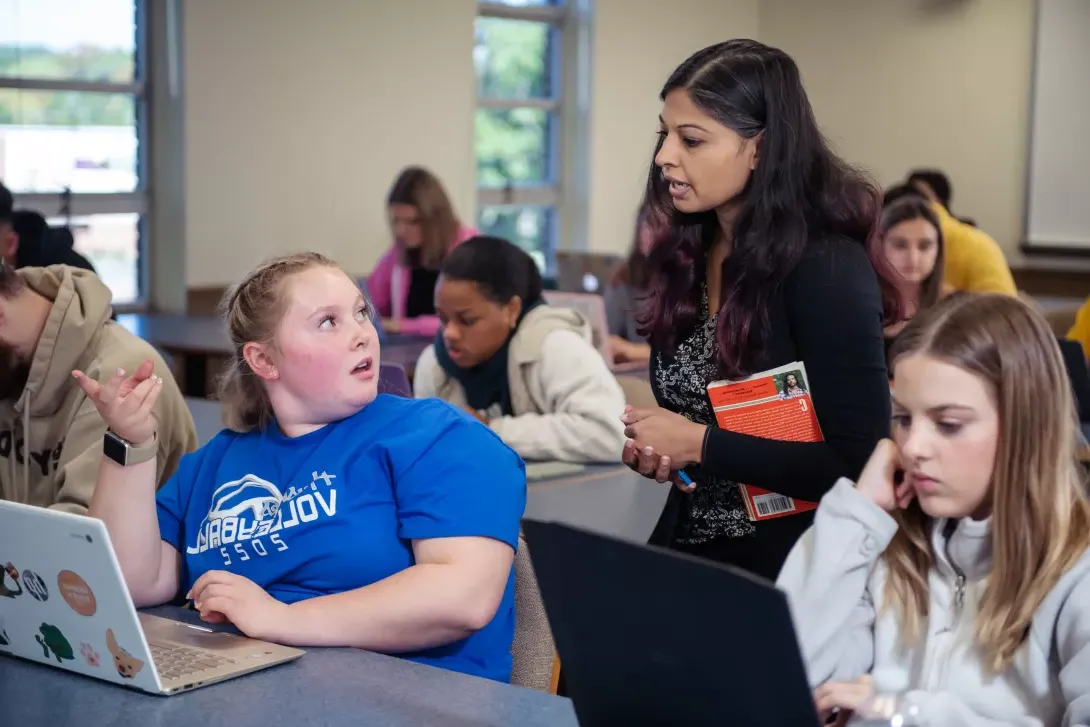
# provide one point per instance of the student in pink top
(425, 229)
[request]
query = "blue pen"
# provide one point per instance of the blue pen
(685, 479)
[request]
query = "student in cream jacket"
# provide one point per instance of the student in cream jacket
(527, 370)
(1000, 513)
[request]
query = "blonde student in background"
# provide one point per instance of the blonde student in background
(328, 514)
(968, 581)
(425, 229)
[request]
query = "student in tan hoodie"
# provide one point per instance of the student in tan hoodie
(54, 320)
(524, 368)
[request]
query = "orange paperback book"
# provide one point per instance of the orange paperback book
(773, 404)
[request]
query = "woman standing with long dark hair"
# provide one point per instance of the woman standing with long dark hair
(770, 259)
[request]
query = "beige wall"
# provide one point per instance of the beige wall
(297, 122)
(896, 85)
(637, 44)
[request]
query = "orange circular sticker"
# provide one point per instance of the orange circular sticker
(76, 593)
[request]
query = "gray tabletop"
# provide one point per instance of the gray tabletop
(328, 687)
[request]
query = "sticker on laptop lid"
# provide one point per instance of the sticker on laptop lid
(54, 644)
(89, 654)
(35, 586)
(10, 587)
(76, 593)
(126, 664)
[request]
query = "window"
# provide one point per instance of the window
(523, 55)
(71, 112)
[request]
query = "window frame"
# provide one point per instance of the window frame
(81, 204)
(563, 195)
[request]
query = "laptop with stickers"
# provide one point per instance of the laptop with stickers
(63, 602)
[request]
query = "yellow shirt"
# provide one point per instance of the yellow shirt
(974, 261)
(1081, 330)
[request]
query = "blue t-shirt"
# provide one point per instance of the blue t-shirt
(337, 509)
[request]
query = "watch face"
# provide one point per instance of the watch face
(114, 448)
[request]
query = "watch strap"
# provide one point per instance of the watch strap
(127, 454)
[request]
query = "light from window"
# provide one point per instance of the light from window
(50, 140)
(71, 97)
(528, 227)
(516, 56)
(111, 243)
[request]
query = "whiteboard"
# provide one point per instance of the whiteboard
(1058, 187)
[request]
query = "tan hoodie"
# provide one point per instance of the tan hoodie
(566, 402)
(51, 437)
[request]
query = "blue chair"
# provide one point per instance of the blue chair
(392, 379)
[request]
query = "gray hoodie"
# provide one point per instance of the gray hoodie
(834, 579)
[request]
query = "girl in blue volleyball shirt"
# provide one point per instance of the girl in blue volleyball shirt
(327, 515)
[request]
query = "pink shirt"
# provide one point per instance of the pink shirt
(388, 285)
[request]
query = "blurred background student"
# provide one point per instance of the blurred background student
(27, 241)
(974, 262)
(912, 243)
(526, 369)
(425, 230)
(624, 296)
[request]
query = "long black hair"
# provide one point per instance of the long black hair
(800, 191)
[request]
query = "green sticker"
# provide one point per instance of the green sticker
(53, 643)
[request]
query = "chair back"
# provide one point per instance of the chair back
(593, 308)
(533, 652)
(392, 379)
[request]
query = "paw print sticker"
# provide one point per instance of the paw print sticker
(89, 654)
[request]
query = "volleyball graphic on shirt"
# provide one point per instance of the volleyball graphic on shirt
(251, 507)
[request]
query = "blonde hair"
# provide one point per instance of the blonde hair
(252, 310)
(419, 188)
(1040, 514)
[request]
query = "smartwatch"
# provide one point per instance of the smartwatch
(127, 454)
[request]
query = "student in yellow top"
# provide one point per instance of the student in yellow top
(1081, 330)
(974, 261)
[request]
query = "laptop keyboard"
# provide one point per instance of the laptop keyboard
(174, 662)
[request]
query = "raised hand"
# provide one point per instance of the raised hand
(125, 403)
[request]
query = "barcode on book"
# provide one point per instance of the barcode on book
(772, 504)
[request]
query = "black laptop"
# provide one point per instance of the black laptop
(647, 636)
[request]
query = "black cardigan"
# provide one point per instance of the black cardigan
(827, 314)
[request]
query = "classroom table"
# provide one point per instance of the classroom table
(329, 687)
(606, 498)
(196, 339)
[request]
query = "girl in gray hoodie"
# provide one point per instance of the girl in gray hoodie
(957, 566)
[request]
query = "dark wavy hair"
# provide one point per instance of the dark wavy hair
(799, 192)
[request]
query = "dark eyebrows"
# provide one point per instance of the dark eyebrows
(698, 127)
